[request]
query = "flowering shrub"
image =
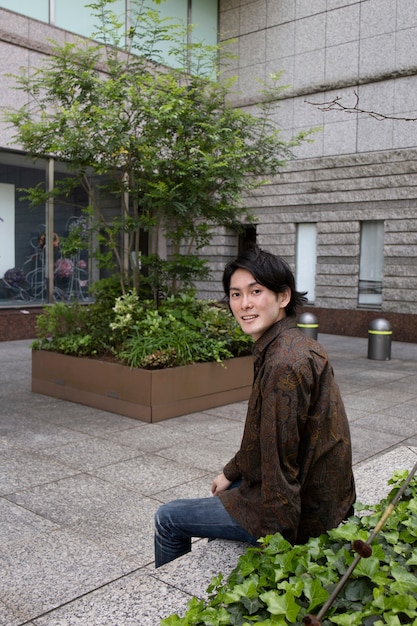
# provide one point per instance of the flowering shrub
(78, 236)
(80, 227)
(64, 268)
(15, 277)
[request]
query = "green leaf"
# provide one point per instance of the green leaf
(348, 532)
(405, 603)
(406, 582)
(367, 567)
(281, 604)
(315, 593)
(389, 620)
(349, 619)
(413, 558)
(247, 589)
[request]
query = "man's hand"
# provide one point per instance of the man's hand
(219, 484)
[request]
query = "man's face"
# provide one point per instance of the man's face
(254, 306)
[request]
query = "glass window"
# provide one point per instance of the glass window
(76, 17)
(305, 275)
(37, 9)
(175, 12)
(205, 21)
(7, 226)
(177, 9)
(23, 254)
(371, 264)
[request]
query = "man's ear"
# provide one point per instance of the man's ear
(285, 297)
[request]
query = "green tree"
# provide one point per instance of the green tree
(165, 143)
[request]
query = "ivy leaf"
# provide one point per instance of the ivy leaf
(249, 561)
(348, 532)
(195, 607)
(296, 586)
(411, 533)
(315, 593)
(281, 604)
(392, 536)
(212, 617)
(247, 589)
(406, 582)
(367, 567)
(358, 590)
(350, 619)
(389, 620)
(275, 544)
(398, 604)
(252, 605)
(413, 558)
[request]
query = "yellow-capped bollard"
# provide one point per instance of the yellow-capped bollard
(308, 324)
(379, 340)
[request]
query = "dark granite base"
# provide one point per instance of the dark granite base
(356, 323)
(20, 323)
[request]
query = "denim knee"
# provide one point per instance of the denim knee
(168, 519)
(161, 517)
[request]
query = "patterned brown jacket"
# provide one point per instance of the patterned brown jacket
(295, 458)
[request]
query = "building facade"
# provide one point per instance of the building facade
(344, 211)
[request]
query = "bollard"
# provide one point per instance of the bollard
(379, 340)
(307, 323)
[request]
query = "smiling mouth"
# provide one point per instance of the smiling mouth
(248, 318)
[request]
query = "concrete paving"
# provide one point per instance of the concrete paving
(79, 487)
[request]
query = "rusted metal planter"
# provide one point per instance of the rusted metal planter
(149, 396)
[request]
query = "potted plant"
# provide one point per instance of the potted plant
(141, 360)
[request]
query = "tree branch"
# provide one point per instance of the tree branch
(336, 105)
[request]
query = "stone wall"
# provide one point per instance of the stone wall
(338, 193)
(356, 86)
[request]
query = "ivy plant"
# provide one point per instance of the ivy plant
(277, 584)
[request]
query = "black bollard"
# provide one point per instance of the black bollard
(379, 340)
(307, 323)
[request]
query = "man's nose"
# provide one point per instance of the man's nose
(246, 302)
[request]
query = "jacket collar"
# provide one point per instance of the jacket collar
(273, 331)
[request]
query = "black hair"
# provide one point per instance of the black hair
(269, 270)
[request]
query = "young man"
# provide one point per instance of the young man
(293, 472)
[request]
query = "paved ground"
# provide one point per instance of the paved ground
(79, 487)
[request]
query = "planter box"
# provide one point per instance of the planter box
(150, 396)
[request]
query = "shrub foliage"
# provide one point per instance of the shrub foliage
(180, 331)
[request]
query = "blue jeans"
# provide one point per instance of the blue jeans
(177, 521)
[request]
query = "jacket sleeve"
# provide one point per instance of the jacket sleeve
(231, 469)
